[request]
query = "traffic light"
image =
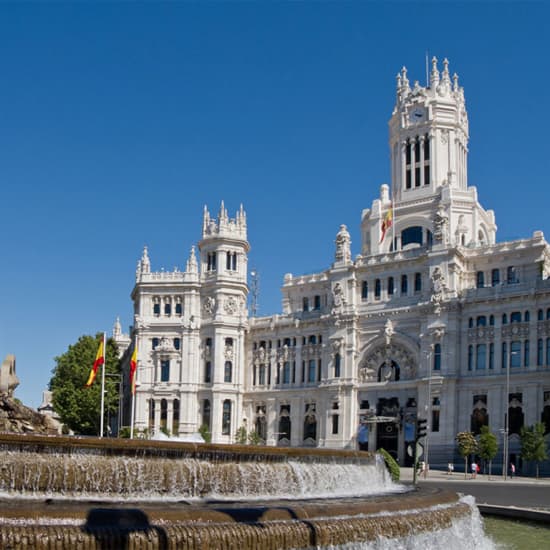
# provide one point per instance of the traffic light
(421, 426)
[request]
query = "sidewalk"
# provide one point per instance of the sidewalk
(440, 475)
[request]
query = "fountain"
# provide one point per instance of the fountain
(92, 493)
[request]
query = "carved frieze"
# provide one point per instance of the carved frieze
(515, 330)
(481, 334)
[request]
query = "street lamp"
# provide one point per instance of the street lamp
(506, 414)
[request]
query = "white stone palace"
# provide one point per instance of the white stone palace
(432, 319)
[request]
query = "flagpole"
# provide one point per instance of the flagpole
(133, 405)
(103, 384)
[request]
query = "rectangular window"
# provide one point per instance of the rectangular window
(547, 351)
(317, 302)
(504, 361)
(417, 176)
(305, 304)
(437, 357)
(480, 357)
(156, 309)
(417, 282)
(435, 420)
(179, 309)
(261, 375)
(491, 355)
(165, 370)
(286, 372)
(377, 289)
(480, 279)
(515, 352)
(390, 286)
(303, 371)
(495, 277)
(511, 275)
(540, 352)
(408, 183)
(319, 371)
(526, 358)
(337, 365)
(208, 372)
(177, 343)
(404, 285)
(427, 174)
(311, 371)
(335, 419)
(470, 357)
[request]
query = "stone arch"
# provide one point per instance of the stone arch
(381, 362)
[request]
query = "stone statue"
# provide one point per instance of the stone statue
(343, 242)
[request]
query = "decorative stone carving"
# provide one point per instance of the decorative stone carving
(208, 305)
(388, 331)
(337, 298)
(439, 288)
(515, 330)
(381, 358)
(481, 334)
(230, 306)
(441, 223)
(228, 353)
(140, 323)
(343, 241)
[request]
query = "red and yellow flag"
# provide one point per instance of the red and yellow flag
(387, 222)
(133, 366)
(99, 360)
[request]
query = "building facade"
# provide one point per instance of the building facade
(432, 319)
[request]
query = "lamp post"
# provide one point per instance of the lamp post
(506, 414)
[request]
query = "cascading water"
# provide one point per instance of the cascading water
(65, 493)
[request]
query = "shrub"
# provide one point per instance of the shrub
(391, 464)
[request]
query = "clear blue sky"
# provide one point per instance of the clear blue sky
(120, 121)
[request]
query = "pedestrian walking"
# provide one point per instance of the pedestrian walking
(512, 470)
(473, 467)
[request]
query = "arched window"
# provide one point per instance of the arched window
(411, 235)
(515, 317)
(206, 413)
(165, 370)
(364, 290)
(151, 414)
(437, 357)
(176, 420)
(207, 372)
(163, 414)
(226, 417)
(404, 285)
(167, 308)
(261, 427)
(177, 343)
(481, 321)
(284, 425)
(228, 372)
(540, 315)
(310, 429)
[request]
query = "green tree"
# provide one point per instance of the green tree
(78, 406)
(467, 445)
(205, 433)
(487, 446)
(533, 445)
(240, 436)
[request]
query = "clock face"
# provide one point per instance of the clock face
(417, 115)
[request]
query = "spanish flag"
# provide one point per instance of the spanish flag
(99, 360)
(133, 366)
(387, 222)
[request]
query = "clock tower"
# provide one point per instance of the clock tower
(430, 202)
(428, 135)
